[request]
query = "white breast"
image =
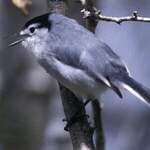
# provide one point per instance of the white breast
(37, 42)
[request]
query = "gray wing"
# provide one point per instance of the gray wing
(81, 49)
(78, 47)
(97, 60)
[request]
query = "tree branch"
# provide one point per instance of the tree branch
(96, 14)
(80, 131)
(91, 25)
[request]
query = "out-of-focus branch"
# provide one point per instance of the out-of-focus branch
(91, 25)
(97, 15)
(80, 131)
(58, 6)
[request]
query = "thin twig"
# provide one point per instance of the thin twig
(100, 140)
(98, 16)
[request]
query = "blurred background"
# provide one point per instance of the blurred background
(31, 112)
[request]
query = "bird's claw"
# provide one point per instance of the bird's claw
(73, 120)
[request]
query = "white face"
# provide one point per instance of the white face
(35, 39)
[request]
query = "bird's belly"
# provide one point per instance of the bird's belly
(80, 83)
(77, 80)
(85, 90)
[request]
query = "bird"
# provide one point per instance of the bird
(78, 59)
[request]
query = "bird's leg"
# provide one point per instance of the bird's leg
(76, 116)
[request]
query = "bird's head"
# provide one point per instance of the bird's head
(34, 31)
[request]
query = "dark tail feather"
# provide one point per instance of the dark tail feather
(137, 89)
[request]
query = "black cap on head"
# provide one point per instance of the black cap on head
(42, 20)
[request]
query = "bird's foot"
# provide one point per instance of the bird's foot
(76, 116)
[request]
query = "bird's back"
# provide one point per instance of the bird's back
(80, 46)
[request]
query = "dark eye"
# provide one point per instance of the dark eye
(32, 29)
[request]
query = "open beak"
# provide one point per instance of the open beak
(20, 37)
(15, 43)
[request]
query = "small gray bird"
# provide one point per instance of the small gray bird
(76, 58)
